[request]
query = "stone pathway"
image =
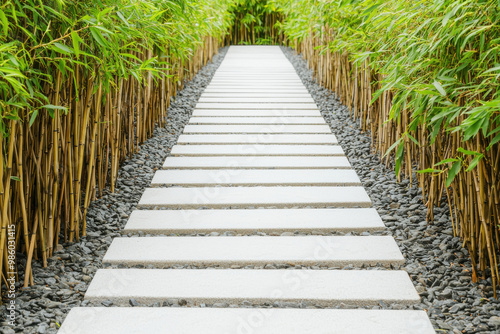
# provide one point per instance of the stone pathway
(256, 157)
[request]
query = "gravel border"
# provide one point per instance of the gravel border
(438, 265)
(62, 285)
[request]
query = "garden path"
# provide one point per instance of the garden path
(257, 159)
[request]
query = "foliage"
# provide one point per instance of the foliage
(82, 84)
(437, 63)
(439, 56)
(101, 36)
(254, 22)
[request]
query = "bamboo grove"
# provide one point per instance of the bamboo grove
(422, 77)
(82, 84)
(255, 22)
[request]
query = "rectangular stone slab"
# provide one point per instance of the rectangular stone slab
(256, 149)
(253, 177)
(321, 287)
(250, 83)
(287, 128)
(283, 105)
(263, 81)
(248, 94)
(257, 139)
(233, 162)
(255, 90)
(256, 99)
(252, 76)
(255, 113)
(256, 120)
(258, 76)
(237, 197)
(333, 251)
(258, 88)
(166, 320)
(248, 221)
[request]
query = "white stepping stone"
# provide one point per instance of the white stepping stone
(255, 250)
(256, 105)
(257, 139)
(256, 149)
(254, 81)
(263, 94)
(166, 320)
(245, 77)
(256, 113)
(257, 90)
(278, 128)
(256, 99)
(256, 120)
(249, 87)
(321, 287)
(219, 197)
(256, 177)
(247, 221)
(234, 162)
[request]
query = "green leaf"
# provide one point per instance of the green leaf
(474, 162)
(5, 22)
(370, 9)
(453, 172)
(399, 157)
(53, 107)
(429, 170)
(439, 88)
(15, 178)
(445, 161)
(98, 37)
(76, 42)
(61, 48)
(495, 140)
(466, 152)
(33, 117)
(447, 17)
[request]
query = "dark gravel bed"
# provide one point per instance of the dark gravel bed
(438, 265)
(62, 285)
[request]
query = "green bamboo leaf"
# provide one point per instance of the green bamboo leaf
(429, 170)
(474, 162)
(453, 172)
(439, 88)
(5, 22)
(445, 161)
(53, 107)
(75, 38)
(447, 17)
(495, 140)
(399, 157)
(34, 114)
(493, 69)
(467, 152)
(61, 48)
(98, 37)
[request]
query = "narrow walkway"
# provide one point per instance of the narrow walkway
(256, 157)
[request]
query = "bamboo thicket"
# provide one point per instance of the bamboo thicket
(255, 22)
(82, 85)
(422, 77)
